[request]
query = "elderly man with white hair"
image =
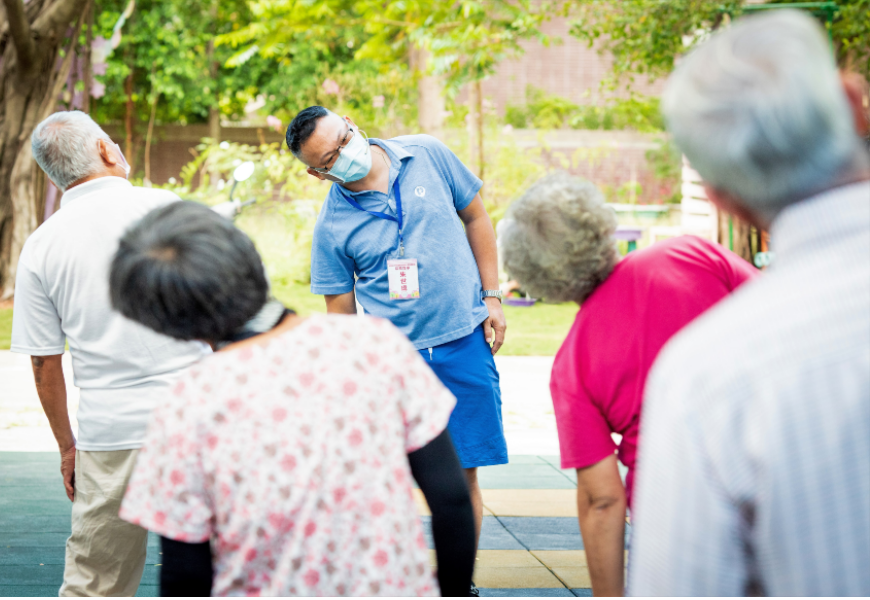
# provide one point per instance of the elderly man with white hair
(122, 368)
(754, 459)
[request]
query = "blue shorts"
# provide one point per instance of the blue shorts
(466, 367)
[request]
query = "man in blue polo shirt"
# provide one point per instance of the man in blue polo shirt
(431, 267)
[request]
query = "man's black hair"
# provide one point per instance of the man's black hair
(189, 273)
(302, 126)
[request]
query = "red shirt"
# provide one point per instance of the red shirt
(599, 372)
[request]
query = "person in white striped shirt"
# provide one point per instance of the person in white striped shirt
(754, 460)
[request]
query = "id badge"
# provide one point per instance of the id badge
(404, 283)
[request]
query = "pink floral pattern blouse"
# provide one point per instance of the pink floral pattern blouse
(291, 459)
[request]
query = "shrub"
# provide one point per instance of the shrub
(281, 222)
(516, 115)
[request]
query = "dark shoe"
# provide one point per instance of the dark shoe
(474, 592)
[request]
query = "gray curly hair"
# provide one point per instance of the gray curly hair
(557, 239)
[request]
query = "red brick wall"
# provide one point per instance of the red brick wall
(570, 69)
(609, 159)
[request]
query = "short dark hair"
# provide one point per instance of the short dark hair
(189, 273)
(302, 126)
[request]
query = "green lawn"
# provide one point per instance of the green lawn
(534, 331)
(538, 330)
(5, 328)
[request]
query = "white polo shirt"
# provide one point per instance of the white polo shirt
(62, 294)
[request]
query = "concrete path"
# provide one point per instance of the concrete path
(23, 426)
(530, 544)
(529, 423)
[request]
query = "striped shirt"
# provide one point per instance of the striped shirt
(754, 461)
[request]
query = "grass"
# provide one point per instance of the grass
(282, 236)
(538, 330)
(5, 328)
(534, 331)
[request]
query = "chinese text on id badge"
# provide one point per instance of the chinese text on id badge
(404, 283)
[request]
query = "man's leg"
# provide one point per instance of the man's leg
(105, 556)
(476, 502)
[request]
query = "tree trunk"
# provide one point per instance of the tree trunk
(475, 126)
(214, 124)
(148, 136)
(89, 73)
(430, 94)
(29, 86)
(214, 112)
(735, 235)
(130, 110)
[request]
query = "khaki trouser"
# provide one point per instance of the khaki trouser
(105, 556)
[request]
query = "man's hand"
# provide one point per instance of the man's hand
(68, 470)
(494, 326)
(51, 388)
(481, 238)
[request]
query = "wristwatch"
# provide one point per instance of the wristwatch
(491, 294)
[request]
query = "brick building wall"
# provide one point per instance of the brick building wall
(609, 159)
(570, 69)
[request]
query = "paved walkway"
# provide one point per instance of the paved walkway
(529, 423)
(530, 544)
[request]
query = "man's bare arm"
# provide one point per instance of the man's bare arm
(601, 508)
(481, 238)
(51, 387)
(341, 304)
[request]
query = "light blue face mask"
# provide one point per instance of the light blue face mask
(354, 162)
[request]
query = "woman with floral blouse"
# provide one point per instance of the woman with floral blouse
(283, 464)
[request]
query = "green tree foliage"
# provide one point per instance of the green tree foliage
(309, 43)
(645, 36)
(851, 34)
(165, 48)
(467, 39)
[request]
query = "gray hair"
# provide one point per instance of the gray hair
(557, 240)
(760, 112)
(65, 146)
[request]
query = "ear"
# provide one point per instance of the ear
(314, 173)
(349, 120)
(732, 205)
(858, 94)
(110, 159)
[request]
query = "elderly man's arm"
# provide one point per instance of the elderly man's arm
(51, 387)
(481, 238)
(601, 508)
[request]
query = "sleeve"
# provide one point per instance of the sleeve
(331, 269)
(423, 400)
(187, 569)
(439, 474)
(36, 326)
(463, 183)
(734, 270)
(584, 434)
(685, 535)
(738, 270)
(167, 492)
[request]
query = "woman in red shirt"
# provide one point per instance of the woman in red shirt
(558, 243)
